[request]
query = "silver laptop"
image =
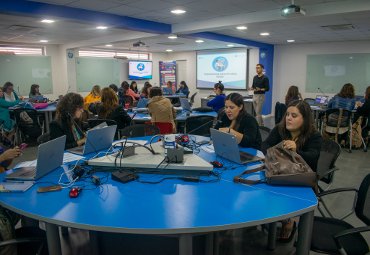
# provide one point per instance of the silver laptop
(96, 139)
(321, 100)
(185, 104)
(226, 146)
(49, 157)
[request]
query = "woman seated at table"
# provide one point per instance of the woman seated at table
(364, 111)
(7, 122)
(160, 108)
(145, 90)
(126, 91)
(298, 133)
(345, 99)
(9, 94)
(92, 97)
(110, 109)
(292, 95)
(184, 89)
(134, 88)
(67, 121)
(218, 102)
(236, 121)
(34, 91)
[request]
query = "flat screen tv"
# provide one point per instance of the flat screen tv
(140, 70)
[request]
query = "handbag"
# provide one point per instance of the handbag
(283, 167)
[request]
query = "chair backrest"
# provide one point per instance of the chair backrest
(265, 132)
(329, 153)
(94, 122)
(139, 130)
(362, 208)
(199, 125)
(280, 110)
(332, 117)
(310, 101)
(164, 127)
(43, 138)
(192, 98)
(30, 112)
(220, 113)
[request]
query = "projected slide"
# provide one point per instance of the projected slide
(230, 67)
(139, 70)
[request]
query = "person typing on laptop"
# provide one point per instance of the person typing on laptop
(239, 123)
(68, 113)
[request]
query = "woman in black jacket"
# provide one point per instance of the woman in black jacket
(67, 121)
(110, 109)
(238, 122)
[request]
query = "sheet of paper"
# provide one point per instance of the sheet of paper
(15, 186)
(26, 164)
(69, 157)
(208, 148)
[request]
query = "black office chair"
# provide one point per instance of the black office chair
(310, 101)
(94, 122)
(335, 236)
(43, 138)
(265, 132)
(139, 130)
(199, 125)
(329, 153)
(280, 110)
(28, 124)
(192, 98)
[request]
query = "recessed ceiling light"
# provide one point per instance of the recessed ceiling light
(290, 40)
(230, 45)
(172, 37)
(49, 21)
(199, 41)
(178, 11)
(44, 41)
(265, 34)
(108, 45)
(101, 27)
(241, 27)
(169, 50)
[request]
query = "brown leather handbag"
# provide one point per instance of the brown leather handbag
(283, 167)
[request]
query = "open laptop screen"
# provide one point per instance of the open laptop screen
(321, 99)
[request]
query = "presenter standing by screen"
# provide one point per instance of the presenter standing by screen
(260, 86)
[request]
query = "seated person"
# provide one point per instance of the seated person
(126, 91)
(238, 122)
(184, 89)
(218, 102)
(168, 90)
(7, 122)
(9, 94)
(35, 93)
(160, 108)
(345, 99)
(110, 109)
(67, 121)
(145, 90)
(134, 88)
(7, 156)
(114, 87)
(292, 95)
(92, 97)
(364, 111)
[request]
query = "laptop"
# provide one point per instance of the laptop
(321, 100)
(226, 146)
(96, 139)
(49, 157)
(185, 104)
(142, 103)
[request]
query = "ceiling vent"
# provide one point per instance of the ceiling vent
(340, 27)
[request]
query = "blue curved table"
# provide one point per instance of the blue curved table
(173, 207)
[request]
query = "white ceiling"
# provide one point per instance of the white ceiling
(217, 16)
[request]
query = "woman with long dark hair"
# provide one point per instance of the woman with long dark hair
(345, 99)
(67, 121)
(133, 87)
(34, 91)
(184, 89)
(238, 122)
(292, 95)
(145, 90)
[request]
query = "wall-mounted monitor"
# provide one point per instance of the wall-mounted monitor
(140, 70)
(228, 66)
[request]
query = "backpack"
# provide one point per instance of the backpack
(25, 118)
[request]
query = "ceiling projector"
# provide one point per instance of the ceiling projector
(292, 11)
(138, 44)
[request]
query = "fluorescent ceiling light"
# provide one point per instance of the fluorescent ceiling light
(230, 45)
(241, 27)
(44, 41)
(199, 41)
(49, 21)
(169, 50)
(178, 11)
(265, 34)
(290, 40)
(101, 27)
(108, 45)
(172, 37)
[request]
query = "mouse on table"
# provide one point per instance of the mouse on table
(74, 192)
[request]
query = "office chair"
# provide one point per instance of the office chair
(265, 132)
(199, 125)
(280, 110)
(192, 98)
(164, 127)
(335, 236)
(31, 127)
(310, 101)
(43, 138)
(139, 130)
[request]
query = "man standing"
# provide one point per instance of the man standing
(260, 86)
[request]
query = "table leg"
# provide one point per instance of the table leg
(94, 243)
(186, 244)
(209, 243)
(52, 236)
(305, 233)
(46, 122)
(271, 243)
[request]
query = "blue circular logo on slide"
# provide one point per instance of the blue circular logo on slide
(220, 64)
(140, 66)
